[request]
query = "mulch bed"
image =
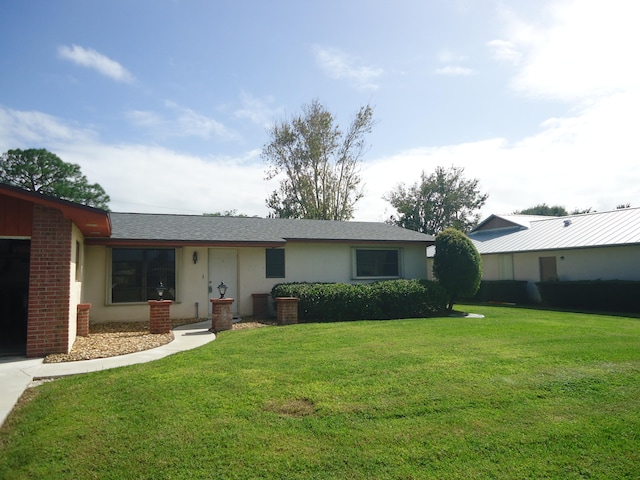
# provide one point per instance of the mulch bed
(119, 338)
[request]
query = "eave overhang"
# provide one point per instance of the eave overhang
(92, 222)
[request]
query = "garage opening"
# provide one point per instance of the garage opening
(14, 295)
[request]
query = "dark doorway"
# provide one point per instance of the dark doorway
(14, 295)
(548, 269)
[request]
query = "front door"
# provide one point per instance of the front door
(223, 267)
(548, 269)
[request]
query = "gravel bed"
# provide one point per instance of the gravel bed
(120, 338)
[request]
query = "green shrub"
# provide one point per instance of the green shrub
(380, 300)
(604, 295)
(512, 291)
(457, 264)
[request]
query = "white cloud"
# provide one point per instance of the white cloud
(339, 65)
(453, 63)
(143, 178)
(257, 110)
(22, 129)
(587, 48)
(588, 160)
(184, 122)
(505, 50)
(454, 70)
(89, 58)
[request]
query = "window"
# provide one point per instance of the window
(275, 262)
(377, 263)
(136, 272)
(78, 264)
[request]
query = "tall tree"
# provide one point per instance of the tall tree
(39, 170)
(318, 163)
(550, 211)
(440, 200)
(544, 209)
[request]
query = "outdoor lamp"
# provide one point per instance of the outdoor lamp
(160, 289)
(195, 257)
(222, 288)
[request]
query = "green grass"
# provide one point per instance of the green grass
(518, 394)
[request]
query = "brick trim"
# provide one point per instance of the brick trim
(82, 319)
(160, 316)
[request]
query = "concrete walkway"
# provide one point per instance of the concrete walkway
(16, 373)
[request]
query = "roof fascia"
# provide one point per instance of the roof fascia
(92, 222)
(361, 242)
(177, 243)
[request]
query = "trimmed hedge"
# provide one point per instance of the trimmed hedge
(327, 302)
(603, 295)
(511, 291)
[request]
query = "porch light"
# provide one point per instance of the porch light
(222, 288)
(195, 257)
(160, 289)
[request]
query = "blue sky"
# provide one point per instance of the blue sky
(166, 104)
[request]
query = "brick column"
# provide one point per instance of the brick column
(82, 319)
(221, 314)
(287, 310)
(49, 283)
(160, 316)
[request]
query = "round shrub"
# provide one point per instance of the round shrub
(457, 264)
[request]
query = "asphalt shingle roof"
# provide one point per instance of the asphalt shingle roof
(198, 228)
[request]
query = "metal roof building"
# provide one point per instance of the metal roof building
(523, 233)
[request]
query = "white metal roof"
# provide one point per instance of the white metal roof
(600, 229)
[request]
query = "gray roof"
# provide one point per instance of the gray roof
(251, 230)
(614, 228)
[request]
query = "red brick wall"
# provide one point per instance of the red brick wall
(160, 316)
(287, 310)
(49, 283)
(221, 314)
(82, 319)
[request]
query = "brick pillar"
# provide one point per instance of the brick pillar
(160, 316)
(261, 305)
(49, 283)
(82, 319)
(287, 310)
(221, 314)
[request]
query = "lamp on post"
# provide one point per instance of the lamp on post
(160, 289)
(222, 289)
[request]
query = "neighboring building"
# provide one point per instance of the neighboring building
(592, 246)
(115, 261)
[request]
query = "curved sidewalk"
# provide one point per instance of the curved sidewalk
(16, 373)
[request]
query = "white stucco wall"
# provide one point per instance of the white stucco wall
(604, 263)
(75, 282)
(303, 262)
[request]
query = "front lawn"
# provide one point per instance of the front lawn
(518, 394)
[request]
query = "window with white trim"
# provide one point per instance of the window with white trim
(377, 262)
